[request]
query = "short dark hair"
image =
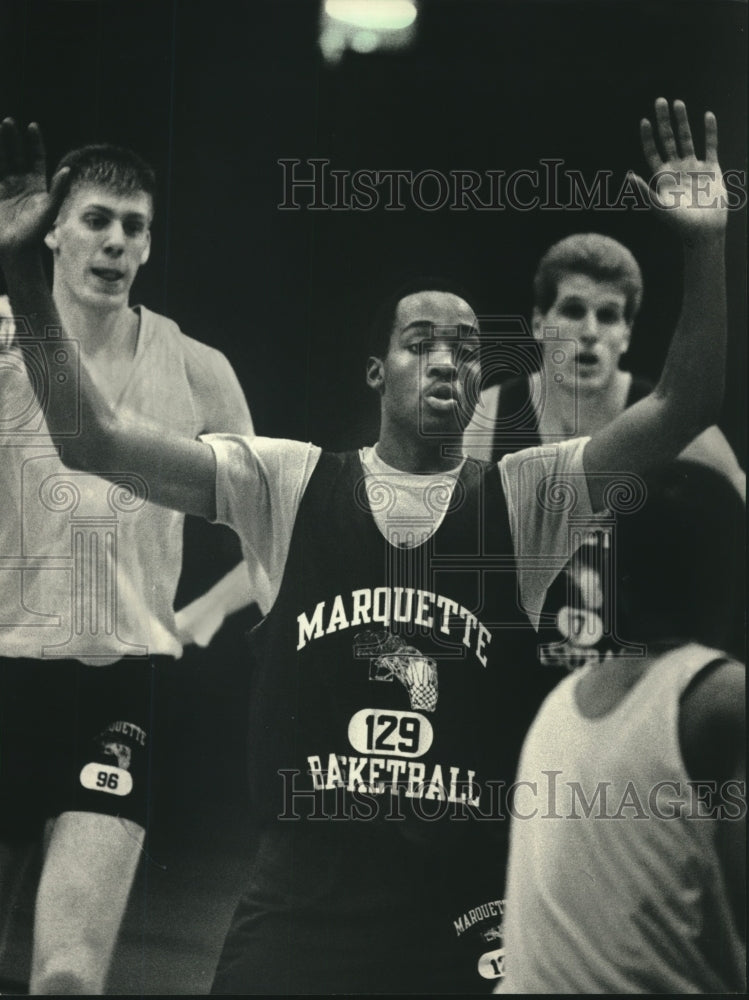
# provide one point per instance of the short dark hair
(678, 568)
(599, 257)
(383, 321)
(115, 167)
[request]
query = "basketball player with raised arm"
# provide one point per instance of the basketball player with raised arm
(395, 676)
(587, 292)
(88, 576)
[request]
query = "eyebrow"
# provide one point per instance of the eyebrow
(95, 206)
(577, 297)
(465, 329)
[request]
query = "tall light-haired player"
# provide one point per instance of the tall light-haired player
(89, 571)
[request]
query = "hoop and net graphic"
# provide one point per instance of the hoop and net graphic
(391, 657)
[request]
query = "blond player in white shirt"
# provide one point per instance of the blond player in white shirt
(88, 574)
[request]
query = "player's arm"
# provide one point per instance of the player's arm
(224, 408)
(179, 472)
(689, 195)
(712, 737)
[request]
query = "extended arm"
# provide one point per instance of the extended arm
(689, 195)
(179, 472)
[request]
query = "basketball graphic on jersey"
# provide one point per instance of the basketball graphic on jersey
(391, 657)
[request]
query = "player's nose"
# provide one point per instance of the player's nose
(589, 328)
(114, 240)
(441, 359)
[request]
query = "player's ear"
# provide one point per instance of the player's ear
(51, 239)
(626, 338)
(537, 323)
(375, 373)
(146, 249)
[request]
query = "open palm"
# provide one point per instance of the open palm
(26, 207)
(688, 192)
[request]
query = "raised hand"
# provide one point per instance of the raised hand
(27, 209)
(688, 193)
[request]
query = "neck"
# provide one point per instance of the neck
(584, 412)
(418, 456)
(111, 332)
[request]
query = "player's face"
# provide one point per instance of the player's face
(429, 377)
(99, 241)
(591, 314)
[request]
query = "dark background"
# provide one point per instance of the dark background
(213, 94)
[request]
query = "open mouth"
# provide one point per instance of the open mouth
(109, 274)
(586, 359)
(442, 397)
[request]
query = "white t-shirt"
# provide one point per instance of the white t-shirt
(615, 883)
(89, 569)
(260, 483)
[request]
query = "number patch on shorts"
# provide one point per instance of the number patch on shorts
(105, 778)
(407, 734)
(492, 964)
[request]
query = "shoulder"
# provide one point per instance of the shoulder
(562, 458)
(217, 395)
(164, 332)
(712, 720)
(285, 451)
(275, 469)
(154, 323)
(269, 454)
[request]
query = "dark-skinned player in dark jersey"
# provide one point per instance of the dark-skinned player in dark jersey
(390, 694)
